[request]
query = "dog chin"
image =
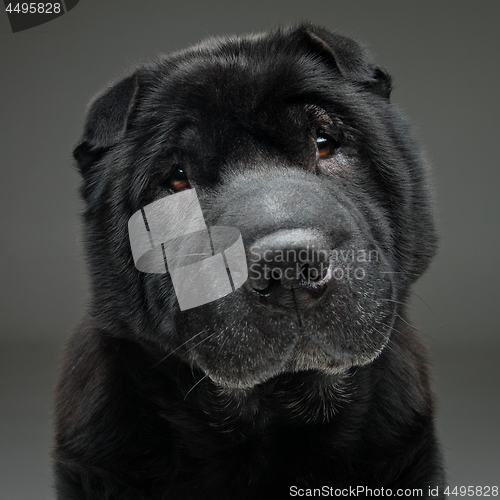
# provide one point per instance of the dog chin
(305, 356)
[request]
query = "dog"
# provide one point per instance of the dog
(305, 378)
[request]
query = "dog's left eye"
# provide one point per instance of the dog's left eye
(177, 180)
(326, 146)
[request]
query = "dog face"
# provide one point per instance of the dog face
(289, 137)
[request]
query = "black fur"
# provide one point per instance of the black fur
(247, 396)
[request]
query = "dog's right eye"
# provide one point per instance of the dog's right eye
(326, 146)
(177, 181)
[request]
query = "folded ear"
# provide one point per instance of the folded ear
(349, 58)
(106, 121)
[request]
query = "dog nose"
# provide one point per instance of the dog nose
(289, 270)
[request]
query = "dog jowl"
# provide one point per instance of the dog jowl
(304, 371)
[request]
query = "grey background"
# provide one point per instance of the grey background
(444, 56)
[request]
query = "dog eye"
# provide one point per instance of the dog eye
(326, 146)
(177, 180)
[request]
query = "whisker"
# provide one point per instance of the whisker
(413, 327)
(176, 349)
(389, 340)
(201, 379)
(221, 346)
(206, 338)
(395, 302)
(427, 305)
(406, 322)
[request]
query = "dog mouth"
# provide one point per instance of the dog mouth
(313, 300)
(310, 355)
(305, 354)
(281, 343)
(311, 318)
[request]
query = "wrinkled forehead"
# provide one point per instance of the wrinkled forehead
(236, 96)
(237, 81)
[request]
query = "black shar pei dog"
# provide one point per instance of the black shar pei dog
(305, 378)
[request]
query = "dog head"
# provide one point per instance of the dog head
(289, 137)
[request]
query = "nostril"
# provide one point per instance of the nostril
(266, 288)
(316, 273)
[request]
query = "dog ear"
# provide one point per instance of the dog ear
(349, 59)
(106, 121)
